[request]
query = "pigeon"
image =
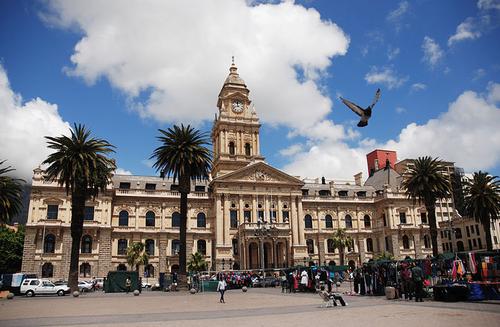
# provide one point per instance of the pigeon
(365, 114)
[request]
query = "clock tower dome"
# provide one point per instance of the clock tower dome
(235, 133)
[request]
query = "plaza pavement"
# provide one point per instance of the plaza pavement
(257, 307)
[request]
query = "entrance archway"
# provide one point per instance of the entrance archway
(280, 255)
(268, 255)
(253, 256)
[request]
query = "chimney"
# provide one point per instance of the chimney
(358, 178)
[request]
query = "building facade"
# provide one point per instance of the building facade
(247, 215)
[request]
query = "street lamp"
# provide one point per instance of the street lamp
(223, 262)
(263, 230)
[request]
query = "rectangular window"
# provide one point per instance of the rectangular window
(458, 233)
(477, 230)
(479, 243)
(472, 229)
(423, 217)
(361, 194)
(402, 217)
(285, 216)
(174, 187)
(261, 215)
(495, 239)
(150, 187)
(442, 234)
(305, 192)
(467, 231)
(387, 243)
(272, 214)
(88, 213)
(199, 188)
(449, 234)
(125, 185)
(235, 246)
(52, 211)
(343, 194)
(474, 242)
(122, 247)
(470, 245)
(233, 215)
(247, 215)
(385, 220)
(444, 247)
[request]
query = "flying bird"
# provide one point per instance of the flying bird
(365, 114)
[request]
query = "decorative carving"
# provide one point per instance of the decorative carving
(260, 175)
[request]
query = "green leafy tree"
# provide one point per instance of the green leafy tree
(384, 256)
(183, 155)
(11, 245)
(137, 256)
(482, 201)
(425, 183)
(11, 195)
(197, 263)
(80, 164)
(342, 240)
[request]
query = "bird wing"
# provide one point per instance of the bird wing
(375, 99)
(354, 107)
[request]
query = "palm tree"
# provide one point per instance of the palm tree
(482, 201)
(341, 240)
(183, 155)
(80, 164)
(197, 263)
(137, 256)
(11, 195)
(425, 183)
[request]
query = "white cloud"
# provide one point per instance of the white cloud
(488, 4)
(467, 30)
(396, 16)
(478, 74)
(23, 127)
(121, 171)
(386, 76)
(400, 110)
(415, 87)
(392, 53)
(467, 133)
(172, 54)
(148, 162)
(432, 52)
(292, 150)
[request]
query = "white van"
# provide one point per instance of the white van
(32, 287)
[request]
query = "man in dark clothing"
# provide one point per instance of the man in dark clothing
(417, 276)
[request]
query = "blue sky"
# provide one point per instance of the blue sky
(125, 69)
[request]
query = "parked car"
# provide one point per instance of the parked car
(32, 287)
(266, 282)
(145, 285)
(85, 286)
(60, 282)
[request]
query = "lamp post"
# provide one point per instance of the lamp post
(263, 230)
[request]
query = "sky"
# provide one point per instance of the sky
(128, 68)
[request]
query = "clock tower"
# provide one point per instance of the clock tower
(235, 133)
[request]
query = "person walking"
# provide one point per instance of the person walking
(417, 276)
(304, 278)
(221, 288)
(128, 284)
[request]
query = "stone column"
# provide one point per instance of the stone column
(63, 270)
(105, 255)
(417, 245)
(279, 210)
(395, 245)
(226, 219)
(137, 215)
(300, 214)
(240, 210)
(254, 209)
(267, 209)
(162, 249)
(293, 222)
(362, 249)
(219, 221)
(29, 249)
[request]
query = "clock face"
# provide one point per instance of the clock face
(237, 106)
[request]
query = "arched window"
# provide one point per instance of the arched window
(233, 219)
(85, 269)
(49, 243)
(406, 242)
(231, 148)
(86, 244)
(348, 221)
(369, 245)
(367, 220)
(150, 219)
(201, 245)
(427, 241)
(123, 218)
(247, 149)
(121, 267)
(328, 221)
(150, 247)
(201, 220)
(149, 271)
(308, 221)
(310, 246)
(176, 219)
(330, 246)
(47, 270)
(176, 247)
(122, 247)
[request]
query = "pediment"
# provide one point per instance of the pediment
(259, 172)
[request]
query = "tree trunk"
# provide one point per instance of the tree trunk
(77, 209)
(430, 206)
(341, 252)
(486, 222)
(182, 279)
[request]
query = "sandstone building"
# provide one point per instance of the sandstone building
(225, 212)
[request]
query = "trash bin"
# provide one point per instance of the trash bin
(390, 293)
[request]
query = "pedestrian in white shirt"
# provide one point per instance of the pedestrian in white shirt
(221, 288)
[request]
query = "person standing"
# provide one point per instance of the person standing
(303, 280)
(128, 284)
(417, 276)
(221, 288)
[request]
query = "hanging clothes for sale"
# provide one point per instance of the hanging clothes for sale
(472, 262)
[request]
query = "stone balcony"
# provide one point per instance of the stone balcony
(158, 194)
(275, 229)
